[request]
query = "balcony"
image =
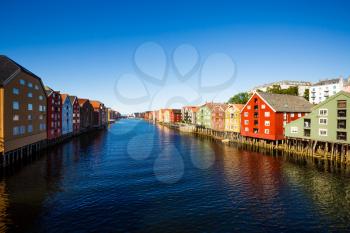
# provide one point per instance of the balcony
(307, 123)
(341, 124)
(341, 113)
(342, 136)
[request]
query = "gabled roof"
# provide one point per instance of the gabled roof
(82, 101)
(72, 98)
(95, 104)
(239, 107)
(64, 97)
(286, 103)
(9, 69)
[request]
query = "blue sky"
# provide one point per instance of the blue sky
(85, 47)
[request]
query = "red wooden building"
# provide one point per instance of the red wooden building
(265, 114)
(54, 108)
(218, 116)
(175, 115)
(76, 113)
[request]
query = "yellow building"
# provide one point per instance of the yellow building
(233, 117)
(166, 115)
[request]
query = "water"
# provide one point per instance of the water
(138, 177)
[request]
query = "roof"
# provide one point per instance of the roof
(63, 97)
(286, 103)
(95, 103)
(82, 101)
(72, 98)
(327, 82)
(238, 106)
(9, 69)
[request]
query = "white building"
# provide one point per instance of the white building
(321, 90)
(285, 84)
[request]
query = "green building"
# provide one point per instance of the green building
(204, 115)
(328, 121)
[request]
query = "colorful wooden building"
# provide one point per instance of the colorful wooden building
(233, 118)
(86, 114)
(98, 113)
(22, 108)
(175, 116)
(204, 115)
(189, 114)
(76, 113)
(218, 116)
(54, 109)
(329, 121)
(265, 114)
(67, 115)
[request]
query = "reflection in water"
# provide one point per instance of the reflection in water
(185, 183)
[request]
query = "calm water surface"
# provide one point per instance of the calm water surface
(138, 177)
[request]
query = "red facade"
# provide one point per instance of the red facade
(175, 115)
(76, 114)
(260, 120)
(218, 117)
(54, 108)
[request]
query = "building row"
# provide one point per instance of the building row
(32, 114)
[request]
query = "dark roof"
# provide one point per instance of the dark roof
(9, 68)
(286, 103)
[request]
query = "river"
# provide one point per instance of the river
(140, 177)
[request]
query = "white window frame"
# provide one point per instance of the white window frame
(292, 115)
(267, 114)
(246, 129)
(248, 107)
(323, 135)
(267, 131)
(267, 123)
(324, 110)
(246, 122)
(299, 114)
(263, 106)
(294, 129)
(322, 118)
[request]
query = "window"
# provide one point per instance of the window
(30, 95)
(22, 82)
(341, 124)
(292, 115)
(267, 114)
(322, 132)
(342, 113)
(267, 131)
(15, 91)
(41, 117)
(15, 130)
(41, 97)
(267, 123)
(248, 107)
(294, 129)
(341, 136)
(245, 114)
(263, 106)
(30, 85)
(15, 105)
(341, 103)
(299, 114)
(42, 126)
(323, 121)
(36, 87)
(22, 129)
(30, 117)
(323, 112)
(246, 122)
(30, 107)
(246, 129)
(307, 132)
(30, 128)
(15, 117)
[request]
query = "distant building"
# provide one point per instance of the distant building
(86, 114)
(76, 113)
(285, 84)
(189, 114)
(321, 90)
(218, 117)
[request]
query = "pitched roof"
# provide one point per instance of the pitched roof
(63, 97)
(72, 98)
(286, 103)
(238, 106)
(95, 103)
(82, 101)
(9, 69)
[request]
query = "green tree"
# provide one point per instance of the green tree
(276, 89)
(240, 98)
(307, 94)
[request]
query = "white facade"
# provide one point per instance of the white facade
(67, 116)
(322, 90)
(285, 84)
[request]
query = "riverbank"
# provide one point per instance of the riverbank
(336, 154)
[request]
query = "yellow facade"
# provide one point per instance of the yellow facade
(233, 118)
